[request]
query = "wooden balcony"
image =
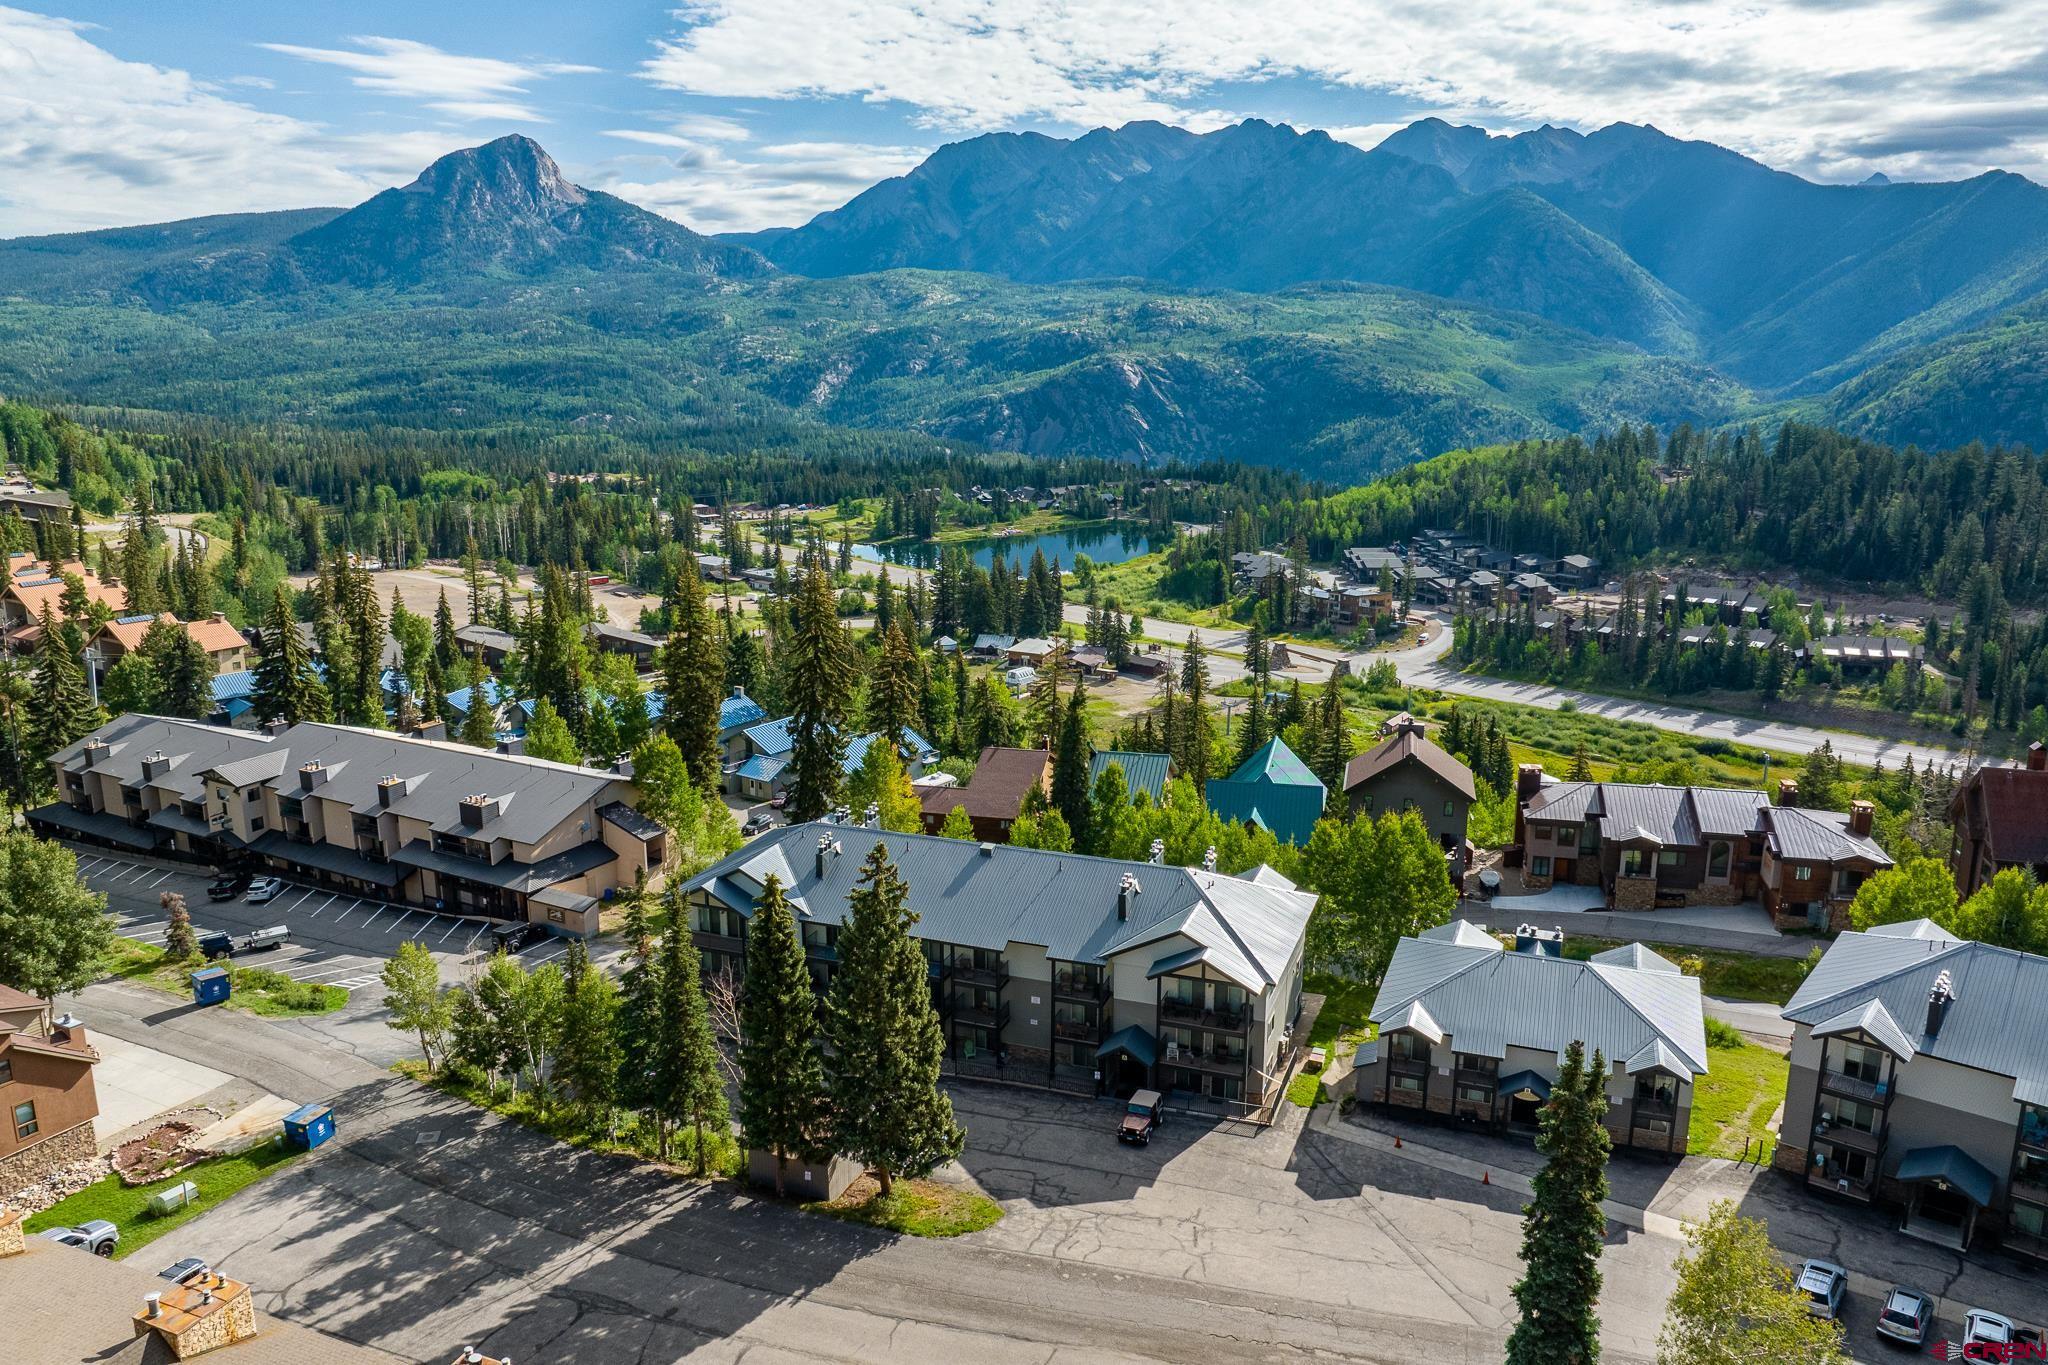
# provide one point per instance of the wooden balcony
(1484, 1080)
(1210, 1060)
(966, 1012)
(994, 974)
(1852, 1140)
(1078, 1030)
(1863, 1190)
(708, 942)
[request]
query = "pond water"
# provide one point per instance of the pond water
(1103, 542)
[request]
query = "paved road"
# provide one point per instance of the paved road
(1423, 666)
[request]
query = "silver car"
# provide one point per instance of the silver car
(97, 1236)
(1906, 1316)
(1823, 1283)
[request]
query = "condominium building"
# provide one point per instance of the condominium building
(420, 821)
(1087, 974)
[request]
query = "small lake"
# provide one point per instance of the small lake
(1105, 543)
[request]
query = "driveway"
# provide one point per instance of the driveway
(136, 1083)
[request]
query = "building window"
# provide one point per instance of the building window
(25, 1120)
(256, 824)
(1801, 872)
(1631, 862)
(2029, 1219)
(1841, 1113)
(1669, 857)
(1407, 1047)
(1568, 836)
(1450, 808)
(1474, 1094)
(1657, 1088)
(1717, 860)
(1539, 867)
(1863, 1063)
(6, 1070)
(1413, 1084)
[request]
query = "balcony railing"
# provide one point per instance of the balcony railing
(994, 974)
(1485, 1079)
(710, 942)
(1080, 1030)
(1182, 1012)
(1647, 1111)
(981, 1016)
(1079, 986)
(1851, 1139)
(1210, 1059)
(2032, 1188)
(1841, 1184)
(1408, 1066)
(1852, 1087)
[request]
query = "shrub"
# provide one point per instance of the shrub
(1722, 1034)
(1692, 964)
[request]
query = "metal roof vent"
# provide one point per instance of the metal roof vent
(1209, 859)
(1157, 853)
(1126, 888)
(872, 816)
(988, 850)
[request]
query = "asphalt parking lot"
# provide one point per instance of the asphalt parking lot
(337, 939)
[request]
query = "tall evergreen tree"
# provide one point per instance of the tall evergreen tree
(686, 1086)
(887, 1109)
(1197, 726)
(818, 671)
(1071, 756)
(782, 1087)
(590, 1051)
(896, 688)
(694, 675)
(480, 721)
(183, 669)
(1564, 1227)
(60, 709)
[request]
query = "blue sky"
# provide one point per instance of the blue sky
(731, 114)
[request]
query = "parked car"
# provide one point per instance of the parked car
(1982, 1327)
(1143, 1115)
(513, 937)
(756, 824)
(779, 800)
(1906, 1316)
(178, 1272)
(217, 944)
(228, 886)
(1823, 1283)
(265, 889)
(98, 1236)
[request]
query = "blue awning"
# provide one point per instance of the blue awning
(1521, 1081)
(1953, 1166)
(1132, 1039)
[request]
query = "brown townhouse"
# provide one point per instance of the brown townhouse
(47, 1100)
(2000, 816)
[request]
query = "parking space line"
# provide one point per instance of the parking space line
(314, 913)
(432, 920)
(88, 865)
(477, 935)
(535, 962)
(140, 873)
(161, 880)
(342, 918)
(399, 923)
(310, 893)
(453, 926)
(355, 967)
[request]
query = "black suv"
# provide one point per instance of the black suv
(513, 937)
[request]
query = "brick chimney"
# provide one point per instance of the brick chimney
(311, 775)
(1528, 782)
(1861, 813)
(1788, 791)
(2037, 757)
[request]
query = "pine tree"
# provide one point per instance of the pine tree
(1042, 711)
(694, 676)
(1197, 727)
(1582, 766)
(896, 688)
(782, 1088)
(887, 1109)
(1564, 1227)
(59, 710)
(639, 1002)
(686, 1086)
(1071, 757)
(480, 722)
(957, 824)
(184, 672)
(819, 683)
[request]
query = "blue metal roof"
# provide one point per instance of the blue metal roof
(761, 768)
(771, 736)
(738, 712)
(1131, 1038)
(494, 691)
(1954, 1165)
(227, 686)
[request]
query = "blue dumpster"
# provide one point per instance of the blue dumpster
(210, 986)
(309, 1125)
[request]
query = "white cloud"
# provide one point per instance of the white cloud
(1828, 87)
(461, 87)
(705, 186)
(90, 140)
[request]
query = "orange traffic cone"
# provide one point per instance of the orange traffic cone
(1486, 1177)
(1397, 1142)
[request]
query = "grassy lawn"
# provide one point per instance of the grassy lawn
(1732, 976)
(915, 1208)
(1733, 1103)
(257, 990)
(127, 1208)
(1339, 1029)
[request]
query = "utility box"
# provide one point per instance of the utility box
(174, 1198)
(309, 1125)
(210, 986)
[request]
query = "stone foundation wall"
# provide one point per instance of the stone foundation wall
(1710, 894)
(1789, 1159)
(1440, 1101)
(11, 1243)
(1535, 884)
(1635, 893)
(1586, 872)
(1838, 915)
(31, 1164)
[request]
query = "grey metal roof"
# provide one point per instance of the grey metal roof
(192, 747)
(1655, 1056)
(1872, 1018)
(1488, 999)
(1726, 810)
(630, 820)
(1460, 931)
(94, 824)
(1627, 809)
(1566, 802)
(1636, 956)
(328, 858)
(1416, 1018)
(1997, 1022)
(989, 896)
(510, 875)
(1820, 836)
(246, 772)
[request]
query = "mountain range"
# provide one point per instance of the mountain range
(1254, 292)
